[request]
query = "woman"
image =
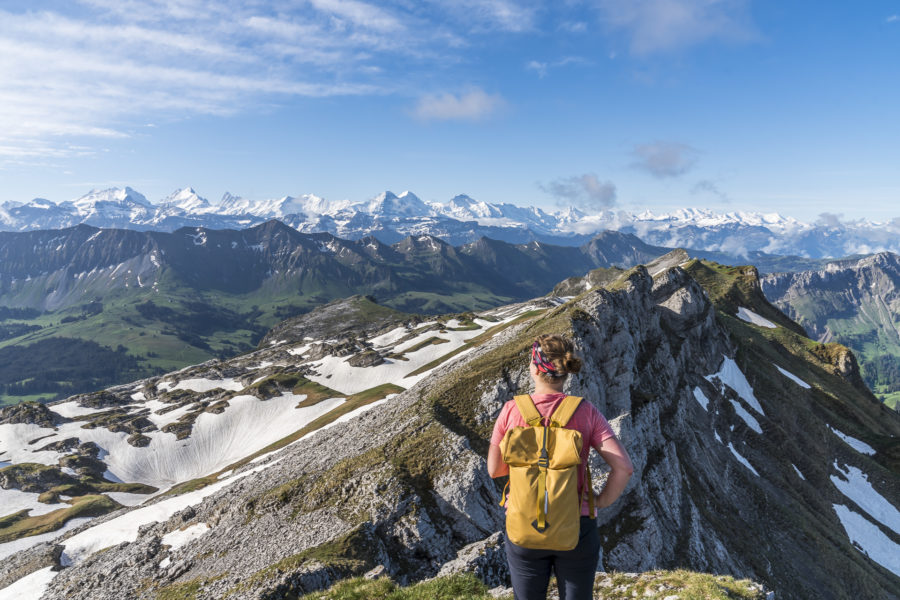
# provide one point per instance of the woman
(552, 360)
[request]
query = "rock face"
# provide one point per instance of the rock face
(404, 486)
(853, 302)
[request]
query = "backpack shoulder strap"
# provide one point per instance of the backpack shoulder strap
(528, 410)
(564, 411)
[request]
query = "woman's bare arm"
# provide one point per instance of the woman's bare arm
(617, 458)
(496, 466)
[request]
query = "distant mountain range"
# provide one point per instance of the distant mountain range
(391, 217)
(174, 299)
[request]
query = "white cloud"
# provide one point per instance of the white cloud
(893, 19)
(471, 106)
(663, 25)
(582, 191)
(665, 159)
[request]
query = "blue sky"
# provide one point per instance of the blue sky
(604, 104)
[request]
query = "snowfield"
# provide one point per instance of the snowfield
(858, 445)
(741, 459)
(793, 378)
(745, 314)
(869, 539)
(178, 538)
(30, 587)
(336, 373)
(854, 484)
(701, 398)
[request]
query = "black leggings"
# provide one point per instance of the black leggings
(575, 569)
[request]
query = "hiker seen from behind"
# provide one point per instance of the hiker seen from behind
(542, 441)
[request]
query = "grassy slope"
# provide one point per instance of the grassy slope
(848, 406)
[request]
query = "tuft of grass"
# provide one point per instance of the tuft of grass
(456, 587)
(187, 590)
(686, 585)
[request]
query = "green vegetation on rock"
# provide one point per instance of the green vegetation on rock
(18, 525)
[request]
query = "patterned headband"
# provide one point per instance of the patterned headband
(540, 361)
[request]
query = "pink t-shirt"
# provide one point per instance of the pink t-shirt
(587, 419)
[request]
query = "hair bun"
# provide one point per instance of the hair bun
(572, 363)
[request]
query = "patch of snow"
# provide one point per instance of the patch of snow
(701, 398)
(386, 339)
(749, 316)
(72, 409)
(747, 417)
(200, 385)
(799, 474)
(741, 459)
(225, 474)
(730, 374)
(300, 350)
(217, 440)
(178, 538)
(858, 445)
(30, 587)
(716, 433)
(857, 488)
(793, 378)
(167, 561)
(869, 539)
(127, 499)
(12, 501)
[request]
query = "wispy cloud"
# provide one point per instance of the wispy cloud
(582, 191)
(893, 19)
(663, 25)
(104, 68)
(470, 106)
(542, 68)
(665, 159)
(705, 186)
(501, 15)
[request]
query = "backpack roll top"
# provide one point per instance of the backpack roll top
(543, 508)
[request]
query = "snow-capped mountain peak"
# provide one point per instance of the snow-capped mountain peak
(186, 199)
(122, 196)
(406, 205)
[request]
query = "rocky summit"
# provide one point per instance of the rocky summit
(333, 451)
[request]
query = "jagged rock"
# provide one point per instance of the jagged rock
(367, 358)
(61, 446)
(30, 412)
(139, 440)
(30, 477)
(486, 559)
(89, 449)
(84, 464)
(101, 399)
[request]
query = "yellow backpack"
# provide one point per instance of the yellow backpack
(543, 508)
